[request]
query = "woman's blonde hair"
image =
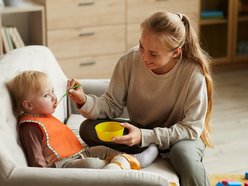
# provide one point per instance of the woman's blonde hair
(24, 85)
(174, 31)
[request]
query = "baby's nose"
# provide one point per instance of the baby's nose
(54, 98)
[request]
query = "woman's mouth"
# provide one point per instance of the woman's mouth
(148, 64)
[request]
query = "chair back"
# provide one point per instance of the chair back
(26, 58)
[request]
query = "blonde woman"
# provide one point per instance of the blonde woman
(166, 85)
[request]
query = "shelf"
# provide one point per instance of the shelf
(242, 18)
(28, 18)
(211, 35)
(25, 6)
(213, 21)
(216, 31)
(220, 60)
(241, 58)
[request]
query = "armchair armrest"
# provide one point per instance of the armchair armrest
(95, 86)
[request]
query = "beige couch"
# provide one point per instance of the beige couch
(14, 170)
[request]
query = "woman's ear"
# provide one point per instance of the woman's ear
(176, 52)
(27, 105)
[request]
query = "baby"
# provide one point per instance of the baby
(48, 142)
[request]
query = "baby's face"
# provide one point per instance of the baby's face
(44, 101)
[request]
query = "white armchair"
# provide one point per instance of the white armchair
(14, 170)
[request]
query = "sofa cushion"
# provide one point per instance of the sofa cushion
(36, 58)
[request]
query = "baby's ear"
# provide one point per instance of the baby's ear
(27, 105)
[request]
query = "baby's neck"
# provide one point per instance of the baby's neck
(35, 115)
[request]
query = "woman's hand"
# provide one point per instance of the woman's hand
(132, 138)
(77, 95)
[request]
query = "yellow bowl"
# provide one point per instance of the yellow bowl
(107, 130)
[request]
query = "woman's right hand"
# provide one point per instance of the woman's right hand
(77, 95)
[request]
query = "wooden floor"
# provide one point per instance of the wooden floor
(230, 124)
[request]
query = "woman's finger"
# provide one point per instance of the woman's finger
(122, 139)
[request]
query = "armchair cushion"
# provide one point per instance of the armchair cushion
(27, 58)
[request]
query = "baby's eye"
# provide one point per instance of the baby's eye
(46, 95)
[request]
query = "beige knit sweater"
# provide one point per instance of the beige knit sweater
(170, 107)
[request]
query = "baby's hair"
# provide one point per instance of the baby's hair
(24, 85)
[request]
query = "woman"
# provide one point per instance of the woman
(166, 85)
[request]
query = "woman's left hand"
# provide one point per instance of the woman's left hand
(132, 138)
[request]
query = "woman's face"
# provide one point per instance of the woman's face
(156, 57)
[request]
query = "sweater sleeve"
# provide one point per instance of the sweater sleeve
(112, 103)
(192, 124)
(31, 139)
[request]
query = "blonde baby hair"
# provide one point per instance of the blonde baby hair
(25, 85)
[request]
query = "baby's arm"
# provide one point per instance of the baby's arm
(31, 139)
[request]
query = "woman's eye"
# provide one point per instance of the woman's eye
(154, 55)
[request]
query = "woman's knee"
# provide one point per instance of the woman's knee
(184, 156)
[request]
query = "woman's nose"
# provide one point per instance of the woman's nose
(145, 57)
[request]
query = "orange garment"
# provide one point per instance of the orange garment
(57, 136)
